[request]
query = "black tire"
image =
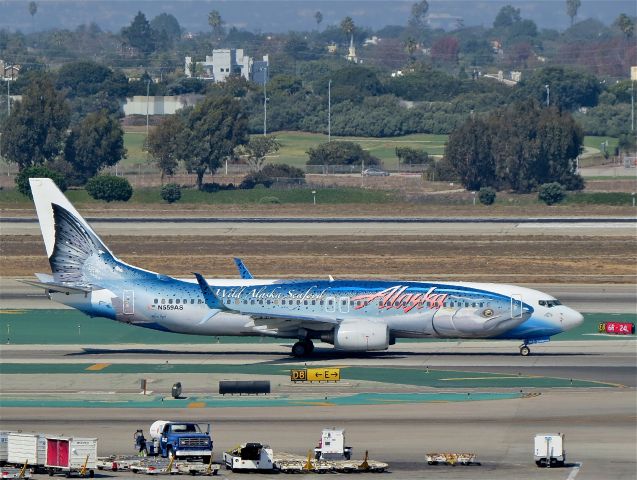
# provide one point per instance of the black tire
(50, 472)
(91, 474)
(310, 347)
(299, 349)
(205, 459)
(525, 351)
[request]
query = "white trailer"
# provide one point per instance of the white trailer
(4, 447)
(332, 445)
(549, 449)
(26, 447)
(71, 455)
(249, 456)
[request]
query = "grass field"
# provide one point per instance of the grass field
(151, 195)
(294, 146)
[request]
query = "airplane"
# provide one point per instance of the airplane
(352, 315)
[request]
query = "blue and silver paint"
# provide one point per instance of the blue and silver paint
(313, 309)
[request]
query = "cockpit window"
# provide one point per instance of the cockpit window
(549, 303)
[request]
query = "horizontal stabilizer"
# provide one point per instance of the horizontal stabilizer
(58, 287)
(209, 297)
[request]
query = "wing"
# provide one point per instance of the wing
(243, 270)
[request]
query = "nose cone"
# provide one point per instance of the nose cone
(571, 319)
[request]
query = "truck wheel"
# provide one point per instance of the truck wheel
(205, 459)
(50, 471)
(525, 351)
(91, 474)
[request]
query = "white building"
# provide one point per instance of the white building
(225, 62)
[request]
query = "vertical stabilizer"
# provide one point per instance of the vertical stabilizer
(45, 194)
(76, 253)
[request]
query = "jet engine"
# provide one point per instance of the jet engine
(474, 322)
(360, 336)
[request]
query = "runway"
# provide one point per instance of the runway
(325, 227)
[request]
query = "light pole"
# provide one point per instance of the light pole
(548, 94)
(265, 101)
(8, 97)
(147, 102)
(329, 111)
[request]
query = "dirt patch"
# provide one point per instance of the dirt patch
(516, 260)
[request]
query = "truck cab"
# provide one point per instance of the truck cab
(181, 440)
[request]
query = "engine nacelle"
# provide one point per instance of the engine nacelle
(361, 336)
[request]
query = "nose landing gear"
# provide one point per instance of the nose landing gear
(525, 351)
(303, 348)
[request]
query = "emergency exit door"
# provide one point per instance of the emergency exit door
(129, 302)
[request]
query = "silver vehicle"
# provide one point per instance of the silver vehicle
(375, 172)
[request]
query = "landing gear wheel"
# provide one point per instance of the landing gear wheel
(302, 348)
(525, 351)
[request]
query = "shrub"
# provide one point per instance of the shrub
(486, 195)
(551, 193)
(37, 171)
(109, 188)
(256, 178)
(171, 192)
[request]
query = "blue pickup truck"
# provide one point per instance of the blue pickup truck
(183, 440)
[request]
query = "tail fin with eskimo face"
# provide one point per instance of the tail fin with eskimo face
(76, 254)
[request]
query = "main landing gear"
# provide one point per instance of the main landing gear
(303, 348)
(525, 351)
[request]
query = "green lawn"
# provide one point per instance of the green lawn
(11, 198)
(294, 146)
(595, 142)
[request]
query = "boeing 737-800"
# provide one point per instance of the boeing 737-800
(352, 315)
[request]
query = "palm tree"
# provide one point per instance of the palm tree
(348, 27)
(625, 24)
(572, 6)
(318, 16)
(216, 22)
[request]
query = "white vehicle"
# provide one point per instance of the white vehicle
(549, 450)
(71, 455)
(26, 447)
(332, 445)
(375, 172)
(249, 456)
(4, 447)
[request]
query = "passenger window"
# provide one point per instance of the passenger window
(304, 302)
(252, 302)
(313, 302)
(163, 301)
(185, 300)
(177, 301)
(282, 302)
(192, 301)
(170, 301)
(199, 300)
(156, 301)
(298, 302)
